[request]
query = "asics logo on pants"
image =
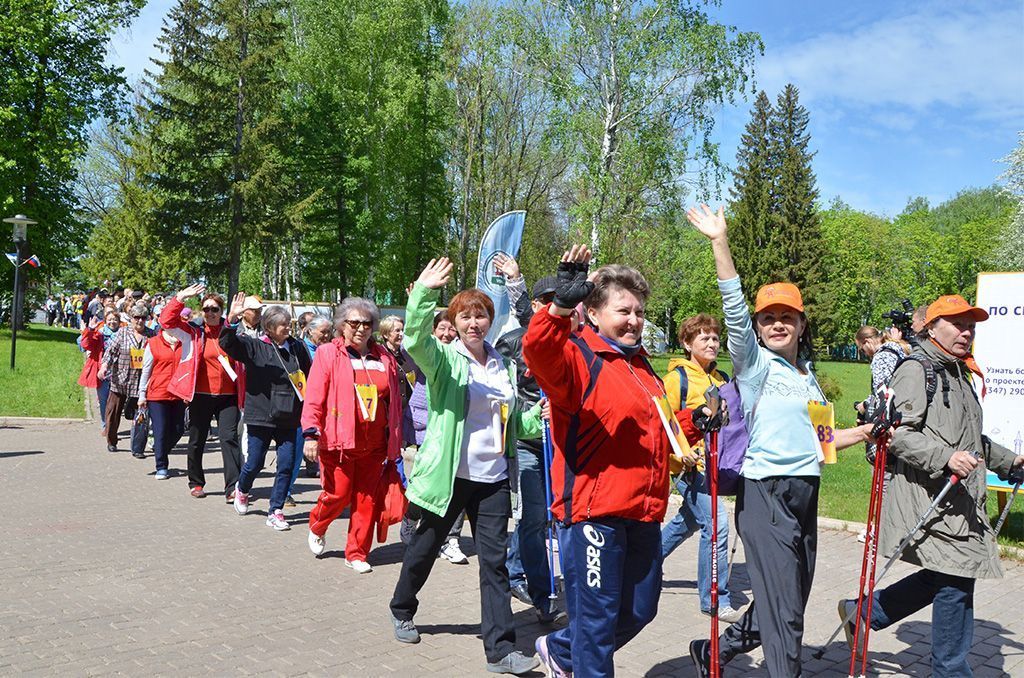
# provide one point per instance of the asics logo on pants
(596, 540)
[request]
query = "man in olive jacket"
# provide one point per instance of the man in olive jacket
(936, 439)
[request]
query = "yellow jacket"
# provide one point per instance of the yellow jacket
(698, 381)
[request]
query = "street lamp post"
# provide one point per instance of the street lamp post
(21, 224)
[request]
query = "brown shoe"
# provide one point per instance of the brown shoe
(198, 492)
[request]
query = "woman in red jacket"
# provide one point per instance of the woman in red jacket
(352, 423)
(208, 380)
(93, 341)
(609, 475)
(166, 410)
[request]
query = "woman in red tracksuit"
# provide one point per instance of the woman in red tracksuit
(609, 475)
(352, 436)
(211, 383)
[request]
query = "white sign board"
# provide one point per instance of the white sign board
(997, 350)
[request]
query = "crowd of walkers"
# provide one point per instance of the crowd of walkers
(558, 425)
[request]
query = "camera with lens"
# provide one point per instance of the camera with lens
(902, 319)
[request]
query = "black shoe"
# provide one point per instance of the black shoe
(111, 448)
(701, 657)
(139, 455)
(520, 593)
(515, 663)
(552, 616)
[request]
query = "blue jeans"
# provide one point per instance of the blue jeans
(167, 417)
(952, 601)
(102, 391)
(695, 514)
(612, 586)
(260, 438)
(297, 465)
(527, 554)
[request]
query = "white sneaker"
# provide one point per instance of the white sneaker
(275, 519)
(317, 544)
(862, 535)
(360, 566)
(729, 615)
(453, 554)
(241, 502)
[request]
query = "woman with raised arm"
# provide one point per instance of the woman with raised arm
(208, 380)
(609, 476)
(777, 501)
(467, 460)
(276, 366)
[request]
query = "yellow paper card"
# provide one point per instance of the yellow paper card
(823, 420)
(298, 379)
(135, 354)
(366, 395)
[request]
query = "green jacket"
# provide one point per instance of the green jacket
(447, 373)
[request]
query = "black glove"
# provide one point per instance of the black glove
(573, 286)
(705, 422)
(884, 414)
(1016, 475)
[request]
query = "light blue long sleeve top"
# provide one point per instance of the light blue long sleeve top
(775, 396)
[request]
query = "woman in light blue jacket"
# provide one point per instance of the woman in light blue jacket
(777, 502)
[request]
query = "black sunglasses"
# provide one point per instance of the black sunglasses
(139, 317)
(211, 309)
(356, 324)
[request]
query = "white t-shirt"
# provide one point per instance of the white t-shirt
(483, 452)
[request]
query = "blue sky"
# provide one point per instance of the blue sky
(906, 98)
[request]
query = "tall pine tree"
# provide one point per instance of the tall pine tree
(753, 195)
(796, 232)
(775, 228)
(218, 131)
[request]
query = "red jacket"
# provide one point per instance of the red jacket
(330, 404)
(92, 343)
(193, 341)
(166, 358)
(610, 447)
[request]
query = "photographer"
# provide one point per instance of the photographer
(940, 435)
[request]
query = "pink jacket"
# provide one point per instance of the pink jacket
(330, 405)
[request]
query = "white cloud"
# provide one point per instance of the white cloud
(970, 58)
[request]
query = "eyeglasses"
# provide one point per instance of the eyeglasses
(211, 309)
(138, 317)
(356, 324)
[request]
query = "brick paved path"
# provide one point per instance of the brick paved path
(108, 572)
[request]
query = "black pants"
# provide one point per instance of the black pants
(201, 411)
(489, 508)
(777, 519)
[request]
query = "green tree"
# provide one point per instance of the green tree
(796, 228)
(753, 200)
(639, 82)
(1010, 252)
(55, 80)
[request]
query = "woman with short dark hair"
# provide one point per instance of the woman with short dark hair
(207, 379)
(466, 461)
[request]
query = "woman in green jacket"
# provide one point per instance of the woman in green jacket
(467, 460)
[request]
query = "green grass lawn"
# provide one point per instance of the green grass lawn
(44, 382)
(845, 485)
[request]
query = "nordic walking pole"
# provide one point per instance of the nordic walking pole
(732, 554)
(1006, 510)
(548, 458)
(953, 480)
(870, 549)
(712, 471)
(880, 457)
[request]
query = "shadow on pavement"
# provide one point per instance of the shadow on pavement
(23, 453)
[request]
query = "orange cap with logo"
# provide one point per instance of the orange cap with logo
(953, 304)
(784, 293)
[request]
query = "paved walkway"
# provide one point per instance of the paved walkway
(108, 572)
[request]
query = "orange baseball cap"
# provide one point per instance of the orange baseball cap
(786, 294)
(953, 304)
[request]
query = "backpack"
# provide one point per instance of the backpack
(732, 438)
(931, 378)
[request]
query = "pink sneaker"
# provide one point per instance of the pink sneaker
(241, 502)
(547, 661)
